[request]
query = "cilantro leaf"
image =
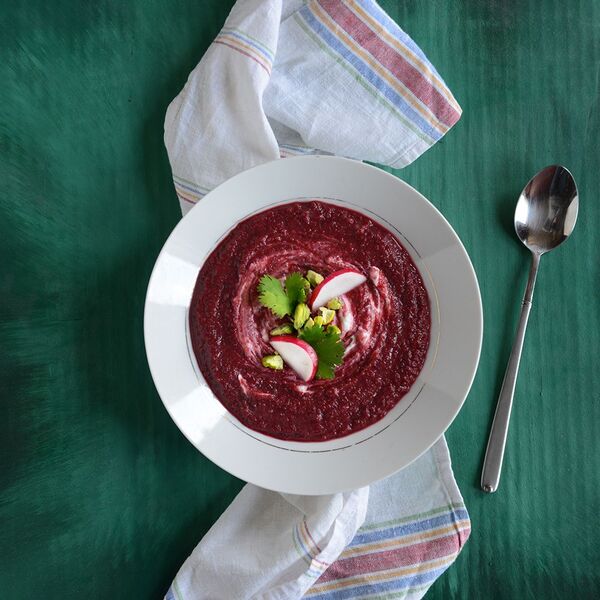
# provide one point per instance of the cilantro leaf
(328, 346)
(297, 288)
(282, 301)
(272, 295)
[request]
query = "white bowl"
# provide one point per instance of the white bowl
(416, 422)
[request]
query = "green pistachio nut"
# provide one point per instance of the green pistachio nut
(314, 278)
(333, 329)
(272, 361)
(334, 304)
(301, 315)
(305, 293)
(309, 323)
(282, 330)
(319, 320)
(327, 315)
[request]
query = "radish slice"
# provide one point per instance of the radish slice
(297, 354)
(336, 284)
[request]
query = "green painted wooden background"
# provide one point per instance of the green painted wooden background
(100, 495)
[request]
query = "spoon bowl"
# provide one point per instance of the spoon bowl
(547, 209)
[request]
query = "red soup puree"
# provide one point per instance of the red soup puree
(385, 323)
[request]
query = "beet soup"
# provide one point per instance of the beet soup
(384, 324)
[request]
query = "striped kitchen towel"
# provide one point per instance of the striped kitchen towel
(292, 77)
(288, 77)
(416, 524)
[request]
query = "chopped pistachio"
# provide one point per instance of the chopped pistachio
(305, 291)
(284, 329)
(335, 304)
(314, 278)
(333, 329)
(272, 361)
(318, 320)
(327, 315)
(309, 323)
(301, 315)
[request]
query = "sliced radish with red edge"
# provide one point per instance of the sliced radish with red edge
(334, 285)
(297, 354)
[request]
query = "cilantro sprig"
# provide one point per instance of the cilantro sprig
(297, 288)
(279, 299)
(272, 295)
(328, 346)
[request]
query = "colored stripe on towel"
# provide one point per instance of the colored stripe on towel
(387, 29)
(188, 191)
(361, 43)
(396, 558)
(416, 526)
(251, 41)
(308, 550)
(246, 45)
(383, 582)
(364, 75)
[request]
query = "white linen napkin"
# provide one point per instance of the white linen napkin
(339, 77)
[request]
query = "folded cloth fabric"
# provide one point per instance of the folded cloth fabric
(324, 76)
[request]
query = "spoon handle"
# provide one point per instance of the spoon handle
(492, 464)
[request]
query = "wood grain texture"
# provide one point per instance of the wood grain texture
(100, 495)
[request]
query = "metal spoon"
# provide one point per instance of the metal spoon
(544, 218)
